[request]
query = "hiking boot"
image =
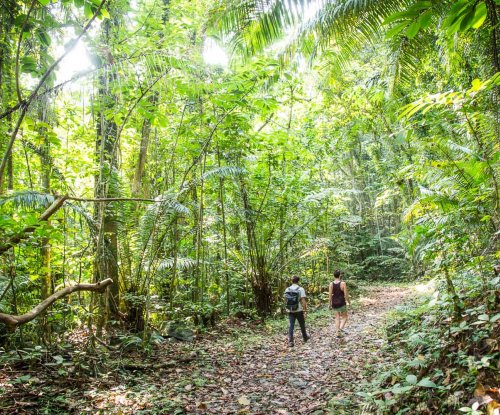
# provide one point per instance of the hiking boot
(306, 339)
(291, 344)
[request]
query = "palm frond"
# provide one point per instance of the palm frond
(224, 172)
(160, 214)
(179, 263)
(255, 25)
(28, 199)
(428, 203)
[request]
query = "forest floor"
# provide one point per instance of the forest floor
(240, 368)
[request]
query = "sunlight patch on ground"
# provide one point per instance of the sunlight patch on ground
(426, 288)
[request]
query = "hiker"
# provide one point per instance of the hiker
(338, 299)
(296, 306)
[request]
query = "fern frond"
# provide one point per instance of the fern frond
(180, 263)
(28, 199)
(224, 172)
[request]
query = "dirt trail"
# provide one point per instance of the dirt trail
(271, 378)
(246, 371)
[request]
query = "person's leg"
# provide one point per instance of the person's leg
(302, 322)
(291, 320)
(337, 321)
(344, 318)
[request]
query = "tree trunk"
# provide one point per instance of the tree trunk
(106, 185)
(137, 184)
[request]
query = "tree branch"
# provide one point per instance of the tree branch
(53, 208)
(18, 50)
(12, 321)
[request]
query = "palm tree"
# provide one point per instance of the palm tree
(343, 26)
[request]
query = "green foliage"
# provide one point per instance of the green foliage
(232, 179)
(442, 357)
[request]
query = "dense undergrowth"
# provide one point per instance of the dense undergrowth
(441, 363)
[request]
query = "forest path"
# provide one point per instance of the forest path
(239, 368)
(265, 376)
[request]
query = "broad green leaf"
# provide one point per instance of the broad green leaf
(44, 2)
(480, 15)
(483, 317)
(413, 30)
(29, 65)
(457, 9)
(411, 379)
(396, 29)
(420, 5)
(476, 85)
(87, 10)
(467, 20)
(44, 37)
(456, 14)
(425, 19)
(427, 383)
(105, 14)
(494, 318)
(401, 389)
(398, 16)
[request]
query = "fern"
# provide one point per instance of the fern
(180, 263)
(28, 199)
(224, 172)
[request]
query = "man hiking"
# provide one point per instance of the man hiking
(338, 299)
(296, 305)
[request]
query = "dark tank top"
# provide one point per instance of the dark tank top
(338, 298)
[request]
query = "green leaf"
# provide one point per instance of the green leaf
(29, 65)
(420, 5)
(411, 379)
(397, 16)
(87, 10)
(413, 30)
(401, 389)
(484, 317)
(468, 20)
(23, 379)
(494, 318)
(105, 14)
(396, 29)
(427, 383)
(456, 11)
(44, 2)
(480, 15)
(44, 37)
(425, 19)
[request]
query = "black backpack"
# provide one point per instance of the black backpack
(292, 298)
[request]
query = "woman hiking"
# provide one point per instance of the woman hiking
(338, 299)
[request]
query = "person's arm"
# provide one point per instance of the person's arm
(304, 304)
(330, 295)
(346, 294)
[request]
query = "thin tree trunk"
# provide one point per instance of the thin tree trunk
(224, 235)
(137, 184)
(106, 185)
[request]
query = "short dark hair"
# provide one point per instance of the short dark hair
(337, 273)
(295, 280)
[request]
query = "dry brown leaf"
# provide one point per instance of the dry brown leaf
(243, 400)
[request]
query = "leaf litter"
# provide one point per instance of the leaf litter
(241, 369)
